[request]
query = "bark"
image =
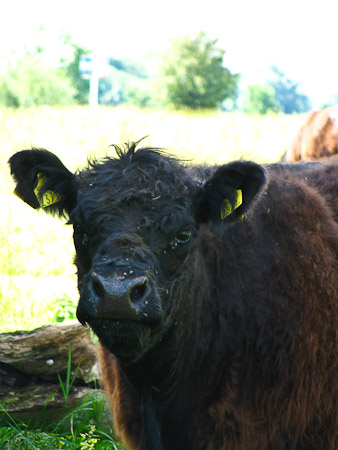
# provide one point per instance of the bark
(30, 362)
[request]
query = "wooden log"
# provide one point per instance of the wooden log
(30, 362)
(44, 352)
(47, 403)
(41, 397)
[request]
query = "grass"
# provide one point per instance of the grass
(37, 277)
(86, 427)
(66, 387)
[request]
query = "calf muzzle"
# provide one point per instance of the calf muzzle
(118, 297)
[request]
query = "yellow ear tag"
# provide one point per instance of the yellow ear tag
(20, 196)
(49, 197)
(226, 208)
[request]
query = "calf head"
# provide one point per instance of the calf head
(136, 219)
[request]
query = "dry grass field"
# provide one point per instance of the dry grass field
(36, 271)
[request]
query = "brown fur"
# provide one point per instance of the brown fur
(233, 342)
(317, 138)
(301, 397)
(123, 399)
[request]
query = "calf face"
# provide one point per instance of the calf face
(135, 220)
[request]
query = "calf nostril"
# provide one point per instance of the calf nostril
(138, 292)
(97, 287)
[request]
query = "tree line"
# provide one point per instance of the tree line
(191, 75)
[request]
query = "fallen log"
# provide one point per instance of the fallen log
(33, 362)
(44, 351)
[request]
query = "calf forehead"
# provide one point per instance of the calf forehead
(146, 192)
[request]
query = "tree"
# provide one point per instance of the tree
(28, 82)
(126, 82)
(44, 76)
(261, 100)
(331, 101)
(194, 75)
(287, 95)
(71, 67)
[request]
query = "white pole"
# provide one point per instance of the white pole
(94, 84)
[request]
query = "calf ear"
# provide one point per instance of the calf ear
(43, 181)
(229, 192)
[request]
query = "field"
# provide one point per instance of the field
(37, 278)
(36, 270)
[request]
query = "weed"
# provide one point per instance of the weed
(69, 382)
(65, 309)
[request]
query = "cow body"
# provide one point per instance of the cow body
(317, 138)
(213, 291)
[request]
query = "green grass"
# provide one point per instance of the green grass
(86, 427)
(37, 277)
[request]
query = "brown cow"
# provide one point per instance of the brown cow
(317, 138)
(213, 291)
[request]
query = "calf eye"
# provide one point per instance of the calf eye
(175, 253)
(183, 237)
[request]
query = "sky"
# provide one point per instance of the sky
(297, 36)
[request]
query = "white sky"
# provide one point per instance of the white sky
(298, 36)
